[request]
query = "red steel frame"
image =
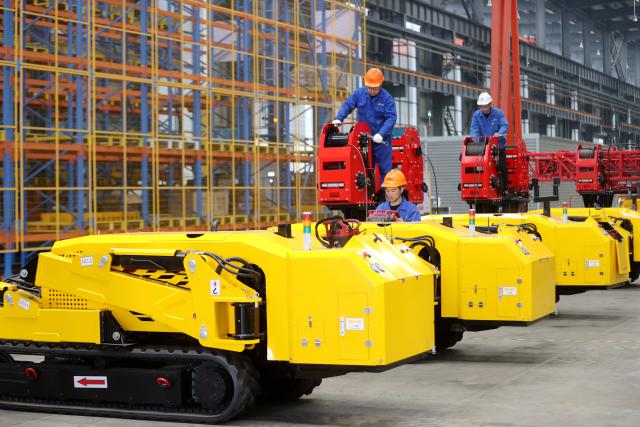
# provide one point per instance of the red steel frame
(594, 170)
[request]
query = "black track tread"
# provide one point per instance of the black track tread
(287, 389)
(446, 337)
(247, 377)
(634, 274)
(449, 340)
(240, 366)
(305, 387)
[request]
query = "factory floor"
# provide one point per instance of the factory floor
(581, 368)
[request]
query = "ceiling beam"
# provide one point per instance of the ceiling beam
(622, 25)
(581, 4)
(611, 13)
(632, 36)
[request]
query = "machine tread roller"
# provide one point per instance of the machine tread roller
(238, 368)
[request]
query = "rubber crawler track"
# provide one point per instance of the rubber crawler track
(238, 365)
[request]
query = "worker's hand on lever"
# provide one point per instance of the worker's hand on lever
(336, 122)
(377, 138)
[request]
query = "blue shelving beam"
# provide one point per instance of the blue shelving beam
(145, 115)
(81, 125)
(197, 113)
(244, 119)
(8, 121)
(285, 52)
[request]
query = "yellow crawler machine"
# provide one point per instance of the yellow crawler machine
(193, 327)
(588, 254)
(622, 219)
(628, 201)
(485, 281)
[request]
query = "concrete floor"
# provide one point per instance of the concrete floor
(581, 368)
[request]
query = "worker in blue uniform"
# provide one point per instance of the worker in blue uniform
(490, 121)
(376, 107)
(394, 184)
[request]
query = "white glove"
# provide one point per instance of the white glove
(336, 122)
(377, 138)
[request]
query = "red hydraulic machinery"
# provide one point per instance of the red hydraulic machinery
(478, 162)
(347, 178)
(599, 172)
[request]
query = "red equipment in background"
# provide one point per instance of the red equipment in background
(407, 156)
(480, 180)
(337, 230)
(347, 180)
(598, 172)
(478, 162)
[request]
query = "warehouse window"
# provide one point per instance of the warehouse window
(404, 56)
(407, 108)
(596, 49)
(576, 38)
(553, 28)
(528, 22)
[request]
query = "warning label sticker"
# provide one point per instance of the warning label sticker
(593, 263)
(214, 287)
(89, 382)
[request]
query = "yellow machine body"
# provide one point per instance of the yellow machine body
(624, 220)
(326, 307)
(627, 202)
(586, 255)
(196, 327)
(503, 279)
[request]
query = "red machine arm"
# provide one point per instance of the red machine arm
(598, 173)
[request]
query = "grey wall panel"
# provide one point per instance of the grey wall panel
(444, 153)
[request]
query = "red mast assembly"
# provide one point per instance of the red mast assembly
(478, 161)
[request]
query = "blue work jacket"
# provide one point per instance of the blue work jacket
(482, 125)
(407, 210)
(378, 111)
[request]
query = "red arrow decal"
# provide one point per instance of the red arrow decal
(85, 381)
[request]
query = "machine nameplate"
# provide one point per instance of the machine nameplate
(86, 261)
(509, 291)
(355, 323)
(593, 263)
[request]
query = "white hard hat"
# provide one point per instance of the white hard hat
(484, 99)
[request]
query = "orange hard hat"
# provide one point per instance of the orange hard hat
(373, 78)
(394, 178)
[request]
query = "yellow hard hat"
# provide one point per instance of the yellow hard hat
(373, 78)
(395, 178)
